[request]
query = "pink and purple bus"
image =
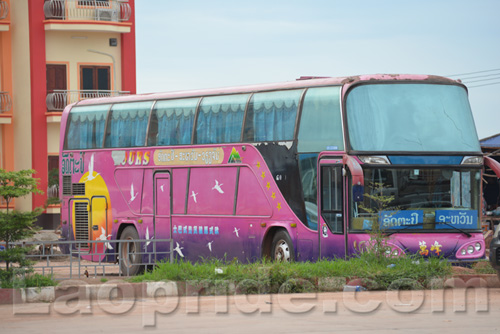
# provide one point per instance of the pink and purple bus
(301, 170)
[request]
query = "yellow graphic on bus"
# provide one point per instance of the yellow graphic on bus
(98, 207)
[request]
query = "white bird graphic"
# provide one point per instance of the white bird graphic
(132, 195)
(178, 249)
(161, 187)
(236, 231)
(210, 245)
(104, 237)
(193, 195)
(91, 175)
(218, 187)
(147, 238)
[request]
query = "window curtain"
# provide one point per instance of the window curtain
(273, 115)
(86, 127)
(220, 119)
(175, 121)
(128, 124)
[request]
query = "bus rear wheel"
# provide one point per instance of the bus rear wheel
(282, 248)
(130, 257)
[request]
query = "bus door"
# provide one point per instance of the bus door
(99, 227)
(162, 211)
(332, 238)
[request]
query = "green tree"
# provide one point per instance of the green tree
(16, 225)
(378, 202)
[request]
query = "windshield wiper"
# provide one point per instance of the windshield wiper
(397, 230)
(456, 228)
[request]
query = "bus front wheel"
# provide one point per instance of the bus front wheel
(130, 257)
(282, 247)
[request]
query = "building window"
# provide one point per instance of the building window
(94, 77)
(56, 80)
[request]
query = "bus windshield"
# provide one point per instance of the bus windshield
(423, 198)
(405, 117)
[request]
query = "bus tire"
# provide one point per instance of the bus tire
(130, 257)
(282, 247)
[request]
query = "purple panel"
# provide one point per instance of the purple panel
(130, 184)
(147, 194)
(162, 182)
(211, 191)
(251, 198)
(179, 181)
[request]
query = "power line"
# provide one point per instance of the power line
(481, 76)
(456, 75)
(488, 84)
(496, 78)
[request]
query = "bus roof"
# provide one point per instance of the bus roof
(302, 82)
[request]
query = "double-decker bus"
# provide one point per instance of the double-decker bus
(301, 170)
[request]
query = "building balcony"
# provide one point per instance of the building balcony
(88, 15)
(59, 99)
(5, 107)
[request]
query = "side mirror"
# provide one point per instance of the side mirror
(358, 179)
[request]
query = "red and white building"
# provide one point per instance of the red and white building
(52, 53)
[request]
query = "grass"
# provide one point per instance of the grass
(29, 280)
(377, 273)
(483, 267)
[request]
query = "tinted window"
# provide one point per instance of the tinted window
(128, 124)
(220, 119)
(86, 127)
(320, 122)
(172, 122)
(331, 202)
(308, 177)
(272, 116)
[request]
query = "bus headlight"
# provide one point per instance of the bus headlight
(472, 161)
(473, 249)
(374, 159)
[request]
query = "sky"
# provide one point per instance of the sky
(184, 45)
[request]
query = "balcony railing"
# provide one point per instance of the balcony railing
(5, 102)
(93, 10)
(4, 10)
(58, 99)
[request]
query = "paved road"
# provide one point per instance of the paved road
(438, 311)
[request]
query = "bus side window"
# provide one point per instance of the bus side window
(220, 119)
(127, 124)
(86, 127)
(172, 122)
(271, 116)
(331, 202)
(308, 176)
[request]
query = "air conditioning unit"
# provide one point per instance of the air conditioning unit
(106, 14)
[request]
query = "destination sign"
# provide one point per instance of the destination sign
(456, 218)
(406, 219)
